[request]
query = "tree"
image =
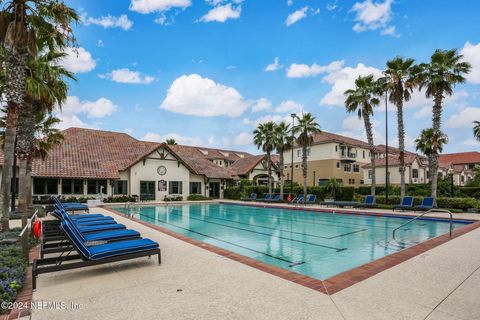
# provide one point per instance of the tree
(332, 186)
(438, 78)
(264, 139)
(400, 81)
(45, 89)
(476, 130)
(424, 143)
(306, 127)
(283, 142)
(362, 100)
(171, 142)
(23, 23)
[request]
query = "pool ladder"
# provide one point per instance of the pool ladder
(421, 215)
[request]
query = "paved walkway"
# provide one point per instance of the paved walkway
(191, 283)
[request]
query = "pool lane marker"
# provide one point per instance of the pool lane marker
(267, 234)
(221, 240)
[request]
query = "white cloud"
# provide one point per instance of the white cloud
(274, 66)
(296, 16)
(352, 123)
(390, 31)
(149, 6)
(332, 6)
(372, 16)
(194, 95)
(77, 60)
(289, 2)
(342, 80)
(243, 139)
(472, 142)
(289, 106)
(111, 22)
(222, 13)
(302, 70)
(464, 118)
(418, 100)
(155, 137)
(73, 107)
(126, 75)
(261, 104)
(471, 54)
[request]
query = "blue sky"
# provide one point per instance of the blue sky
(207, 72)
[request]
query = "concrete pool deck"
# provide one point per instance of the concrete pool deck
(442, 283)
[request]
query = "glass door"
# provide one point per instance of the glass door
(147, 190)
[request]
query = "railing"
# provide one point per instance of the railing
(421, 215)
(348, 156)
(24, 234)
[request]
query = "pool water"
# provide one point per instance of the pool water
(318, 245)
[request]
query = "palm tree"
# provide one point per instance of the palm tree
(23, 23)
(171, 142)
(424, 143)
(400, 81)
(264, 138)
(445, 70)
(476, 130)
(332, 186)
(306, 127)
(362, 100)
(283, 142)
(46, 79)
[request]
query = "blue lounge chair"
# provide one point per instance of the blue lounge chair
(311, 199)
(267, 197)
(406, 204)
(427, 204)
(298, 199)
(369, 202)
(70, 206)
(274, 198)
(95, 255)
(252, 197)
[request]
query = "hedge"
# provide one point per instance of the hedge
(197, 197)
(442, 202)
(120, 199)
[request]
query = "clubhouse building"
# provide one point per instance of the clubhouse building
(89, 163)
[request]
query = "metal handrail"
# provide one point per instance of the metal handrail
(24, 236)
(421, 215)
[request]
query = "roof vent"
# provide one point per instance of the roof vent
(205, 152)
(225, 154)
(241, 155)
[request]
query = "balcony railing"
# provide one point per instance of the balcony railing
(348, 155)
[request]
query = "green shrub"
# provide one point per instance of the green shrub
(233, 193)
(123, 198)
(197, 197)
(173, 198)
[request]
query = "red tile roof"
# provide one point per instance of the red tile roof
(325, 137)
(394, 160)
(245, 165)
(461, 158)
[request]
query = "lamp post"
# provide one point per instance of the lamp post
(386, 146)
(451, 172)
(293, 115)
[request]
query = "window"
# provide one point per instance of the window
(414, 173)
(347, 167)
(338, 165)
(351, 181)
(362, 181)
(72, 186)
(120, 187)
(195, 187)
(356, 168)
(463, 178)
(299, 153)
(45, 186)
(309, 152)
(96, 186)
(363, 154)
(336, 148)
(369, 174)
(175, 187)
(322, 182)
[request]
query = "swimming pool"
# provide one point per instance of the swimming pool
(315, 244)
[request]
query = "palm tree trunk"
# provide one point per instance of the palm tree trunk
(269, 166)
(8, 154)
(368, 130)
(25, 137)
(436, 123)
(29, 182)
(15, 93)
(281, 174)
(304, 170)
(401, 146)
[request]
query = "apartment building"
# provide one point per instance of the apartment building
(330, 156)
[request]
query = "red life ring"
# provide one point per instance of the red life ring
(37, 229)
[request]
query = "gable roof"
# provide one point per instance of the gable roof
(245, 165)
(327, 137)
(88, 153)
(460, 158)
(394, 160)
